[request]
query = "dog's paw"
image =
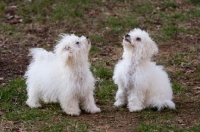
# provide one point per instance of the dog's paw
(119, 104)
(95, 110)
(33, 104)
(92, 110)
(73, 112)
(134, 108)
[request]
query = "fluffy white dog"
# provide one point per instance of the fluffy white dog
(62, 76)
(141, 83)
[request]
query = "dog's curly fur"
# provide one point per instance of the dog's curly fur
(62, 76)
(141, 83)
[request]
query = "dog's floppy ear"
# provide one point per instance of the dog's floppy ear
(151, 49)
(154, 48)
(62, 52)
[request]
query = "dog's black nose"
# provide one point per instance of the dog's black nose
(127, 36)
(87, 37)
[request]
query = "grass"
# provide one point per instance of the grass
(195, 2)
(196, 13)
(94, 50)
(172, 31)
(97, 39)
(8, 29)
(153, 127)
(164, 128)
(169, 4)
(180, 59)
(105, 22)
(103, 73)
(198, 69)
(146, 7)
(104, 84)
(178, 89)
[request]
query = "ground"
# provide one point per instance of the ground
(174, 26)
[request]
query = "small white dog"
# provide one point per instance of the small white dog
(141, 83)
(62, 76)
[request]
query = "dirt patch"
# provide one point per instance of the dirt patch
(11, 126)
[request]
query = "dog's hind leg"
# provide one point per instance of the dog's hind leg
(135, 100)
(33, 98)
(89, 105)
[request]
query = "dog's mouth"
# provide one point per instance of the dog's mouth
(127, 40)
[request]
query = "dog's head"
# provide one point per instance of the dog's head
(138, 42)
(72, 47)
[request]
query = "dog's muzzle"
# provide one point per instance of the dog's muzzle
(127, 38)
(88, 40)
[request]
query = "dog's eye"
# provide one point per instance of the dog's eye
(138, 39)
(77, 42)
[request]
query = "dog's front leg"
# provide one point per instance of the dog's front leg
(135, 100)
(120, 98)
(70, 105)
(33, 98)
(89, 105)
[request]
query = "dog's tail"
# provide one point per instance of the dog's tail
(40, 54)
(163, 104)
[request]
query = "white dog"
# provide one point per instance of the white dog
(62, 76)
(141, 83)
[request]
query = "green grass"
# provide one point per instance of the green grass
(178, 89)
(172, 31)
(104, 92)
(155, 128)
(144, 127)
(45, 10)
(195, 12)
(8, 28)
(97, 39)
(179, 74)
(11, 93)
(146, 7)
(198, 69)
(169, 4)
(103, 73)
(180, 59)
(94, 50)
(35, 11)
(195, 2)
(118, 25)
(104, 85)
(2, 8)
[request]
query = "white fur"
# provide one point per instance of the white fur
(62, 76)
(141, 83)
